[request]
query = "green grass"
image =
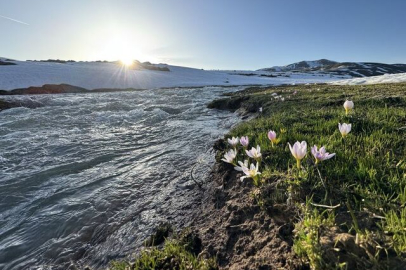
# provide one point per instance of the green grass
(368, 173)
(307, 242)
(173, 255)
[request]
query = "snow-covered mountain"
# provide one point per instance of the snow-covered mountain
(354, 69)
(302, 65)
(113, 75)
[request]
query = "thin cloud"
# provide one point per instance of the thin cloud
(14, 20)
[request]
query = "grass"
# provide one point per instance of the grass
(366, 179)
(307, 242)
(173, 255)
(166, 251)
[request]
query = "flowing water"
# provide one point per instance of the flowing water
(86, 177)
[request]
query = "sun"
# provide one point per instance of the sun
(127, 61)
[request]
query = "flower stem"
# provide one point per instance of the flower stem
(298, 163)
(256, 180)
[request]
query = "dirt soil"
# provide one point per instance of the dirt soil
(235, 230)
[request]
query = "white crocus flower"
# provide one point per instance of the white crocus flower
(230, 156)
(348, 105)
(233, 141)
(251, 172)
(254, 153)
(242, 165)
(321, 154)
(299, 151)
(344, 129)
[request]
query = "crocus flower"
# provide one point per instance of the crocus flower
(260, 110)
(230, 156)
(321, 154)
(254, 153)
(344, 129)
(272, 137)
(250, 172)
(233, 141)
(348, 105)
(298, 151)
(242, 165)
(244, 141)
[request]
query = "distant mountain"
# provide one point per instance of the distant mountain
(354, 69)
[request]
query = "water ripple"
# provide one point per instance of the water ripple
(85, 177)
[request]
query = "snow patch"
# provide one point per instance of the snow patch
(387, 78)
(95, 75)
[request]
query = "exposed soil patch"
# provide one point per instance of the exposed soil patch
(234, 229)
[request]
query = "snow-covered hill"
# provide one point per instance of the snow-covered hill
(354, 69)
(96, 75)
(302, 65)
(387, 78)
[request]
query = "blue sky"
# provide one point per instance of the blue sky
(211, 34)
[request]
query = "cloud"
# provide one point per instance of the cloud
(14, 20)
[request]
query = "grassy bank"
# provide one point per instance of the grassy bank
(349, 210)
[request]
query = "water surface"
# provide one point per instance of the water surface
(85, 177)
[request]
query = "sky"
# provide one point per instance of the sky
(209, 34)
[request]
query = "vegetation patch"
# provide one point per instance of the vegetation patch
(336, 169)
(180, 252)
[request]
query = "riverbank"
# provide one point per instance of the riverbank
(344, 212)
(347, 212)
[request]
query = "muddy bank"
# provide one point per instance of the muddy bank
(233, 226)
(238, 233)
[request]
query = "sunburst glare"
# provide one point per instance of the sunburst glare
(127, 61)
